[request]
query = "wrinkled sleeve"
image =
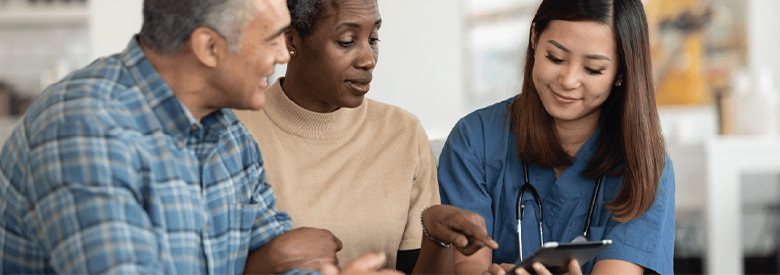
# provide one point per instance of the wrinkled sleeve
(85, 202)
(425, 191)
(647, 240)
(462, 171)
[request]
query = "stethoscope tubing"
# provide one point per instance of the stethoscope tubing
(520, 209)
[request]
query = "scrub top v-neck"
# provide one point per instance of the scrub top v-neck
(479, 171)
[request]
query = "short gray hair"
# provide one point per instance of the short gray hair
(168, 23)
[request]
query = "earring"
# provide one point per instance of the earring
(292, 53)
(619, 84)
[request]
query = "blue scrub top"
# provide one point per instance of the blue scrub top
(479, 171)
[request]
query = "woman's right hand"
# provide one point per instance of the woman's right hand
(464, 229)
(495, 269)
(369, 263)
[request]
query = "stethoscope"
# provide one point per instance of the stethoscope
(519, 211)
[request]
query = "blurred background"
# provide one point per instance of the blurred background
(716, 70)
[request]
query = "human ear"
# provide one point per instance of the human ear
(208, 46)
(619, 80)
(293, 39)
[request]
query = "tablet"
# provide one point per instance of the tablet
(555, 255)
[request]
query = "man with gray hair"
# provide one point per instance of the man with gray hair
(136, 164)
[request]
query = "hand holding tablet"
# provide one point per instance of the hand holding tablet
(555, 256)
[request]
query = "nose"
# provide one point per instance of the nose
(570, 78)
(366, 59)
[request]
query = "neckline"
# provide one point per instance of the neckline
(298, 121)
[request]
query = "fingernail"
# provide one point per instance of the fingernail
(538, 266)
(493, 244)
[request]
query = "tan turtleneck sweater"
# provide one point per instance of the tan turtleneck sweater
(364, 173)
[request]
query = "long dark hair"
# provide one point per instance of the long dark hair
(630, 128)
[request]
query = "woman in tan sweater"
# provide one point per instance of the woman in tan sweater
(336, 160)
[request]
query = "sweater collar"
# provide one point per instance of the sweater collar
(301, 122)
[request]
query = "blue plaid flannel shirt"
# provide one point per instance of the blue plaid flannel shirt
(108, 172)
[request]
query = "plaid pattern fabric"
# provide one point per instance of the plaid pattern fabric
(109, 173)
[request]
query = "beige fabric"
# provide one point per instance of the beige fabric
(364, 173)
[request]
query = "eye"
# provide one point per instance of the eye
(346, 43)
(554, 60)
(593, 71)
(373, 40)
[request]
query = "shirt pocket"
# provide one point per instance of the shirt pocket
(574, 230)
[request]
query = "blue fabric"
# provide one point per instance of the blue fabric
(108, 172)
(479, 171)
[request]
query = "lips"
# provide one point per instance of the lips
(361, 85)
(562, 98)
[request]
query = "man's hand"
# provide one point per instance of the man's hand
(464, 229)
(300, 248)
(369, 263)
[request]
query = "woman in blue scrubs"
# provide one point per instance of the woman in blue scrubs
(586, 112)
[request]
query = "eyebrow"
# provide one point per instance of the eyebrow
(278, 33)
(591, 56)
(356, 25)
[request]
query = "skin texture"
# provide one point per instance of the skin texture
(576, 65)
(333, 66)
(300, 248)
(464, 229)
(574, 83)
(242, 79)
(205, 76)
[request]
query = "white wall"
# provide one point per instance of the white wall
(419, 65)
(112, 24)
(420, 61)
(764, 36)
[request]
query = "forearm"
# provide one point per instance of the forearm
(617, 267)
(434, 259)
(260, 262)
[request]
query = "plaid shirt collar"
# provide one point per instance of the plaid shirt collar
(176, 119)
